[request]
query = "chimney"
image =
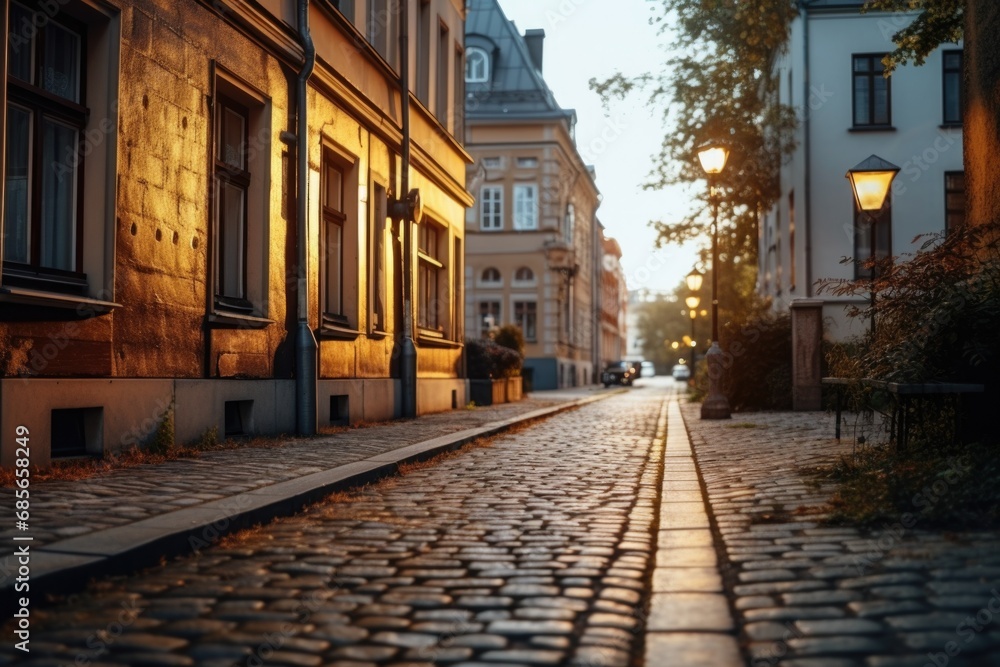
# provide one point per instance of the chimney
(534, 38)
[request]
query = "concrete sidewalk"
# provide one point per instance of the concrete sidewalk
(127, 519)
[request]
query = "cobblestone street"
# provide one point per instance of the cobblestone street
(534, 550)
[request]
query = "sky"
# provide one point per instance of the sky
(584, 40)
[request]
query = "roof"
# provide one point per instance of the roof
(516, 87)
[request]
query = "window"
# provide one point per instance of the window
(954, 200)
(872, 96)
(431, 276)
(477, 65)
(524, 275)
(493, 163)
(491, 205)
(951, 79)
(489, 317)
(424, 52)
(863, 235)
(383, 28)
(46, 116)
(241, 199)
(569, 223)
(378, 245)
(526, 206)
(527, 163)
(441, 85)
(232, 177)
(525, 316)
(491, 277)
(339, 183)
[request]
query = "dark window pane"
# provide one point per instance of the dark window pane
(17, 209)
(861, 101)
(862, 64)
(231, 143)
(881, 111)
(59, 182)
(953, 60)
(61, 64)
(232, 215)
(334, 268)
(20, 43)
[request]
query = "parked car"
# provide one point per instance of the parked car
(619, 372)
(648, 370)
(681, 372)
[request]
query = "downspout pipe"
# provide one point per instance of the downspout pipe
(807, 148)
(305, 341)
(408, 351)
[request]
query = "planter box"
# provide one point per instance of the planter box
(488, 392)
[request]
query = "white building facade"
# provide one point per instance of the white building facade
(831, 73)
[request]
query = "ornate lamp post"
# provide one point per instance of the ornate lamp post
(713, 159)
(870, 181)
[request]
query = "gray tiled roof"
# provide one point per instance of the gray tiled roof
(516, 88)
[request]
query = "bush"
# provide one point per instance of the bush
(758, 358)
(936, 319)
(485, 360)
(510, 336)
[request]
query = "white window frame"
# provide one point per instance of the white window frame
(477, 65)
(526, 206)
(491, 208)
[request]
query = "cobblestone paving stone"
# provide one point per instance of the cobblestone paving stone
(63, 509)
(808, 594)
(533, 551)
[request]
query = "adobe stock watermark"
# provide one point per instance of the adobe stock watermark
(967, 630)
(923, 502)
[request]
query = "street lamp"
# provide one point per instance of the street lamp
(713, 159)
(694, 280)
(870, 181)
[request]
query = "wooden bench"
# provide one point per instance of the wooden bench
(903, 393)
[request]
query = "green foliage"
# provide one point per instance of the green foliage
(163, 438)
(510, 336)
(718, 87)
(485, 359)
(209, 439)
(939, 22)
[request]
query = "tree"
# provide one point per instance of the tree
(939, 21)
(978, 23)
(718, 87)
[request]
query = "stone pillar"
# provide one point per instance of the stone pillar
(807, 338)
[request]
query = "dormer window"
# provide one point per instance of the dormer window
(477, 65)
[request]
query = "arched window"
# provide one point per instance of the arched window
(477, 65)
(490, 276)
(524, 275)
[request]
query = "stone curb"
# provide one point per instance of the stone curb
(66, 566)
(689, 622)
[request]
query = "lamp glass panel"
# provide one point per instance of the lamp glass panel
(713, 159)
(871, 188)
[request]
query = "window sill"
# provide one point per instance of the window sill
(334, 331)
(872, 128)
(377, 334)
(46, 302)
(222, 319)
(432, 338)
(951, 126)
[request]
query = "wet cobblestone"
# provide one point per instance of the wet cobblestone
(533, 551)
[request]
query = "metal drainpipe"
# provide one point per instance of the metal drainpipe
(408, 360)
(806, 148)
(305, 342)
